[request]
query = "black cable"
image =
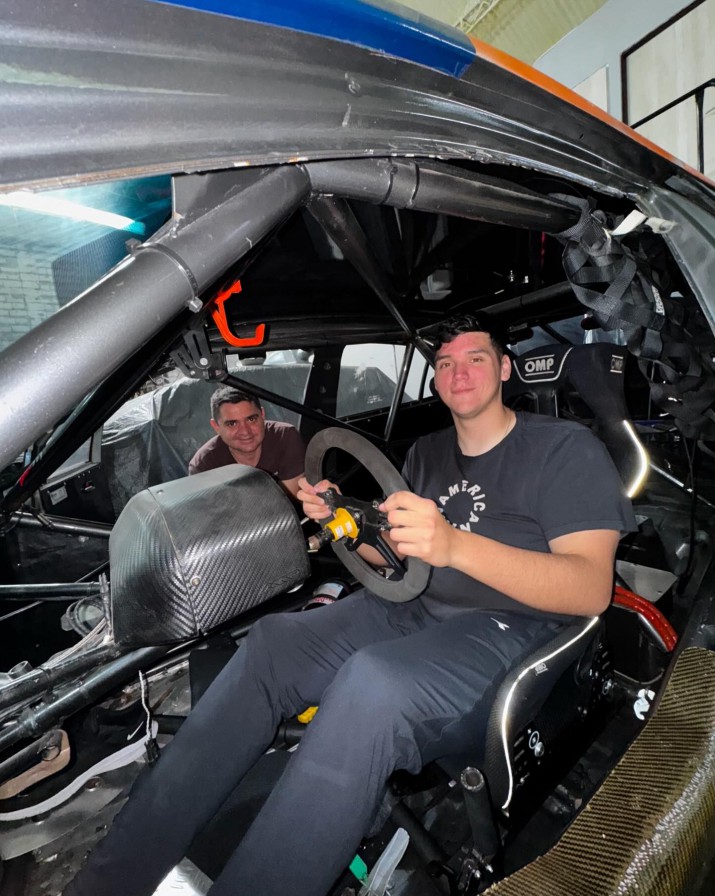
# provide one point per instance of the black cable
(19, 610)
(8, 521)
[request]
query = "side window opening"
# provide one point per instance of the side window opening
(152, 437)
(284, 372)
(368, 378)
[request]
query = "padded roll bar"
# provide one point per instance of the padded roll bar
(88, 338)
(437, 187)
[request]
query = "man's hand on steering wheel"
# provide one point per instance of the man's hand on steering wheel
(314, 507)
(363, 524)
(418, 528)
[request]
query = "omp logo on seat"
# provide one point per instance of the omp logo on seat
(617, 363)
(540, 368)
(544, 364)
(544, 368)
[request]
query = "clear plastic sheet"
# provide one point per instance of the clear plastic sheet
(152, 437)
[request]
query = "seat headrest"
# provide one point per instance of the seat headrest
(557, 376)
(546, 364)
(540, 375)
(594, 372)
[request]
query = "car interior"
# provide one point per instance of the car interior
(129, 584)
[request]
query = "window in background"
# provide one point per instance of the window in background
(369, 374)
(673, 67)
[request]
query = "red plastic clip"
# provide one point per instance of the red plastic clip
(219, 316)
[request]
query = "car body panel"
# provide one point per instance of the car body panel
(156, 88)
(386, 27)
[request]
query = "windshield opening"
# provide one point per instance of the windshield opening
(56, 244)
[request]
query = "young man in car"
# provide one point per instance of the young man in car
(244, 436)
(518, 515)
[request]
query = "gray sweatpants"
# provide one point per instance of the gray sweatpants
(396, 688)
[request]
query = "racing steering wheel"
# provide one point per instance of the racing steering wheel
(414, 572)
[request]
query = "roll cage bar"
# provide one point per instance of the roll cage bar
(105, 342)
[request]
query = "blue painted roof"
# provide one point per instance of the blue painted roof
(379, 25)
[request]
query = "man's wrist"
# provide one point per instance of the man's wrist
(450, 547)
(461, 550)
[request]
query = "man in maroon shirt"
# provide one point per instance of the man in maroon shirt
(244, 436)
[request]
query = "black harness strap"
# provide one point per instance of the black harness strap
(622, 291)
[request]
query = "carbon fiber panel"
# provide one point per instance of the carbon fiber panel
(188, 555)
(651, 826)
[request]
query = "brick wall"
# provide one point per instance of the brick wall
(27, 293)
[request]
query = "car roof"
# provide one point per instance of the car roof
(164, 87)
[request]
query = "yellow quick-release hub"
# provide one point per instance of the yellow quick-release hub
(342, 525)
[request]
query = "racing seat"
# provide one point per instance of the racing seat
(565, 672)
(563, 680)
(556, 379)
(542, 699)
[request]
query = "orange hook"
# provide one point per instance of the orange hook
(219, 316)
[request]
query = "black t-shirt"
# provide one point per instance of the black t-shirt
(547, 478)
(282, 453)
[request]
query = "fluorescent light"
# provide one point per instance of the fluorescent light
(65, 208)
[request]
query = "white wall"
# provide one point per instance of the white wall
(600, 40)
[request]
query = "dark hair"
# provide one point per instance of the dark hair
(469, 323)
(229, 395)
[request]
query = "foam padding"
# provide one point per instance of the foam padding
(650, 828)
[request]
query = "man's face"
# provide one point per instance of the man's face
(241, 426)
(468, 374)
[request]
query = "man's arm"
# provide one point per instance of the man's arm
(195, 465)
(575, 578)
(292, 485)
(291, 448)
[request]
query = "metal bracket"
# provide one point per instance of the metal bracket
(194, 357)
